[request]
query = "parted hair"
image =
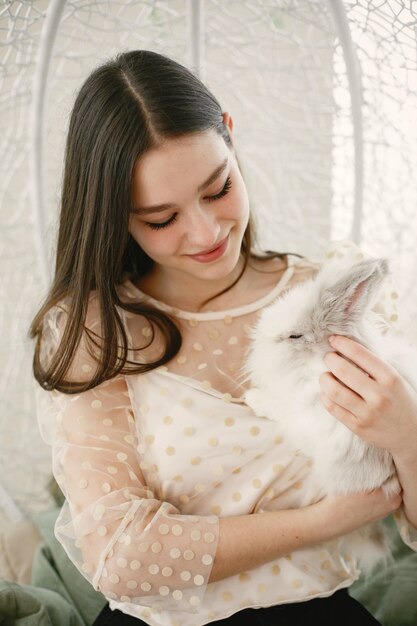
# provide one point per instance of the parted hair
(126, 107)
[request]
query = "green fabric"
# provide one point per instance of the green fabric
(25, 605)
(390, 593)
(52, 569)
(58, 594)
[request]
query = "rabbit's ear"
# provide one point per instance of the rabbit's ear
(343, 302)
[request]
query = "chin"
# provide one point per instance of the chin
(222, 269)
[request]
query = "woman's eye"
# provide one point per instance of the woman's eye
(159, 225)
(223, 192)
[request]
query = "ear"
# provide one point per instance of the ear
(343, 301)
(228, 121)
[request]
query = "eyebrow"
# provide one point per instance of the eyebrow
(163, 207)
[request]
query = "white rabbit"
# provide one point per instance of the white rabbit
(284, 365)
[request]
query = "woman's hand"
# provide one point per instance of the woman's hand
(341, 514)
(378, 405)
(370, 397)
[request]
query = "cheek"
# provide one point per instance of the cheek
(243, 197)
(155, 244)
(244, 210)
(238, 207)
(136, 231)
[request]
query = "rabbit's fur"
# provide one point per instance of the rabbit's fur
(284, 364)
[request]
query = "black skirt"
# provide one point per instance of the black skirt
(339, 609)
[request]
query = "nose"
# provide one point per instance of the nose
(203, 229)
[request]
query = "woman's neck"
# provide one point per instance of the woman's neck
(186, 292)
(240, 287)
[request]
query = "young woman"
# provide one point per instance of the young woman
(183, 507)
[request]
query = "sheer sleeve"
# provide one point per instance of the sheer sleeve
(131, 546)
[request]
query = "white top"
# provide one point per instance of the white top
(148, 463)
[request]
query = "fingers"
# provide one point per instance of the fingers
(344, 513)
(378, 370)
(337, 395)
(350, 375)
(375, 504)
(366, 405)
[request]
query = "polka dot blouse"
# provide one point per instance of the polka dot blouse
(149, 463)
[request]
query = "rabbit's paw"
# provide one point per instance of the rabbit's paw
(255, 399)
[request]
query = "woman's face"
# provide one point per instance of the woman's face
(190, 207)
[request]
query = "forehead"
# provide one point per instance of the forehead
(177, 162)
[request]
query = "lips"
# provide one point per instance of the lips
(211, 249)
(211, 254)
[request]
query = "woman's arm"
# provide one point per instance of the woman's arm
(129, 543)
(248, 541)
(378, 405)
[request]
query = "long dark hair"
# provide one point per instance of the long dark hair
(126, 107)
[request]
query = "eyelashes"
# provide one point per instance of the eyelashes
(223, 192)
(162, 224)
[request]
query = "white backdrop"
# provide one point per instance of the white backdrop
(324, 99)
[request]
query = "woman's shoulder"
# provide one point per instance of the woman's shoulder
(304, 267)
(59, 314)
(55, 334)
(277, 271)
(343, 251)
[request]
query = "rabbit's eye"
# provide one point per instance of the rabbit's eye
(295, 336)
